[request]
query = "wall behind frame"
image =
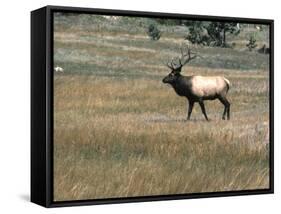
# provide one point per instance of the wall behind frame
(15, 106)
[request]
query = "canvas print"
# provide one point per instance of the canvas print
(156, 106)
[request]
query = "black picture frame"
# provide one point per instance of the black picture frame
(42, 106)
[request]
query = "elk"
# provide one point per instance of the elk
(197, 88)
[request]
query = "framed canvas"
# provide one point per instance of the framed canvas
(131, 106)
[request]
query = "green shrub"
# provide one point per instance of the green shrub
(153, 32)
(252, 43)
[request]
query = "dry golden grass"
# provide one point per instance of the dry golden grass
(128, 137)
(119, 131)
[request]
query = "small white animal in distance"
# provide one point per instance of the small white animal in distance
(58, 69)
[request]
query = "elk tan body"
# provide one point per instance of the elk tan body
(208, 86)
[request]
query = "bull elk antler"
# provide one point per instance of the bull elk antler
(186, 56)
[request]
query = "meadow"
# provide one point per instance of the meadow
(120, 132)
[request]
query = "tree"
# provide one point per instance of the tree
(153, 32)
(211, 33)
(218, 31)
(197, 33)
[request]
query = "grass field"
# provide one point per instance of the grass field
(119, 131)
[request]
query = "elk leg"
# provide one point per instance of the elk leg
(225, 107)
(190, 107)
(228, 110)
(226, 104)
(203, 109)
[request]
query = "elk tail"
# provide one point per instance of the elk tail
(227, 82)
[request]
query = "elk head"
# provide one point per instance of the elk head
(177, 63)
